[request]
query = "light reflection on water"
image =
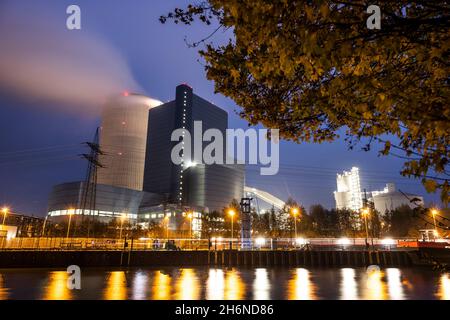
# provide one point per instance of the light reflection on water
(187, 286)
(444, 287)
(234, 286)
(349, 287)
(161, 286)
(375, 286)
(300, 286)
(215, 285)
(261, 285)
(3, 289)
(116, 286)
(140, 285)
(56, 288)
(395, 287)
(228, 283)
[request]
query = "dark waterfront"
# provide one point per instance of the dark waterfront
(227, 283)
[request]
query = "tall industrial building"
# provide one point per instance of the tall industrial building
(389, 199)
(208, 187)
(123, 137)
(348, 194)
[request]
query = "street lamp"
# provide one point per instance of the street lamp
(122, 218)
(43, 226)
(434, 212)
(166, 219)
(365, 213)
(295, 212)
(5, 211)
(190, 224)
(70, 212)
(231, 213)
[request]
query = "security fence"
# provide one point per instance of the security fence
(61, 243)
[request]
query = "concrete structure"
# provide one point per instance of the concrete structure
(205, 187)
(213, 187)
(212, 258)
(389, 199)
(263, 201)
(348, 194)
(111, 202)
(123, 138)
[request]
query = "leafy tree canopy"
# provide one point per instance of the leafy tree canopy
(314, 70)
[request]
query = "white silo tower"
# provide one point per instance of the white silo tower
(123, 139)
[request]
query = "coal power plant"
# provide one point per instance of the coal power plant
(131, 174)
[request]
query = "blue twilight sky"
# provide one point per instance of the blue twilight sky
(41, 133)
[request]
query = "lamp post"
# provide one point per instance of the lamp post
(365, 213)
(295, 212)
(166, 219)
(122, 218)
(43, 226)
(190, 224)
(190, 216)
(70, 212)
(231, 213)
(5, 211)
(434, 212)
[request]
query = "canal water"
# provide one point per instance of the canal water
(227, 283)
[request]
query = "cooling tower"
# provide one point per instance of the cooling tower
(123, 139)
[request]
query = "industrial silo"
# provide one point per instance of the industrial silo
(123, 138)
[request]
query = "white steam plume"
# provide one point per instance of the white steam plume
(43, 62)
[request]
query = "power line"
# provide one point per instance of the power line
(32, 162)
(37, 150)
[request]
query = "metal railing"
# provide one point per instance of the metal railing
(61, 243)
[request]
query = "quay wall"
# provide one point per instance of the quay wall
(151, 258)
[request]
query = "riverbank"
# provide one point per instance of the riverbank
(262, 258)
